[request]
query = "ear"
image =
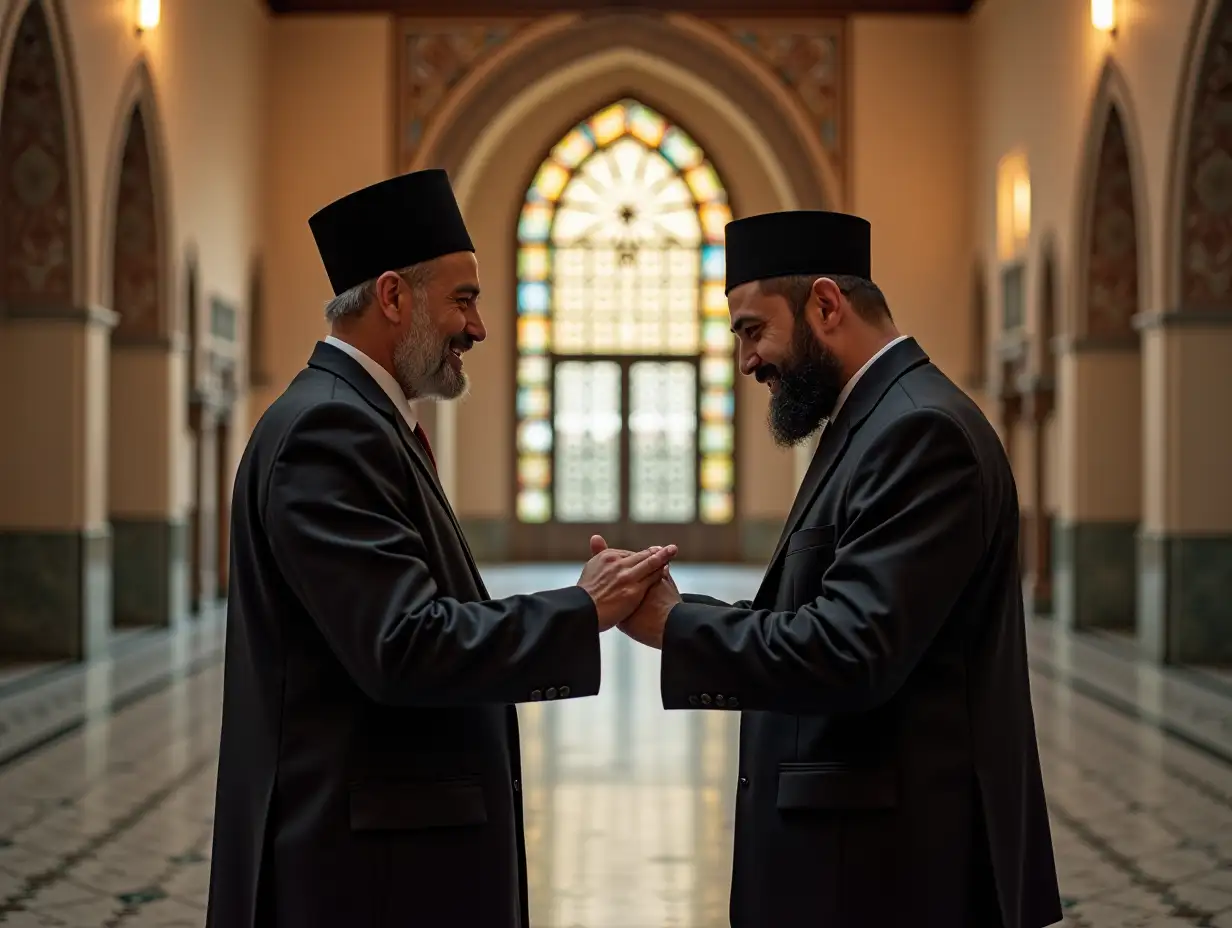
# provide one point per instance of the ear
(388, 296)
(829, 301)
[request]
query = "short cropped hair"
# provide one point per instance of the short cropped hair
(354, 301)
(865, 296)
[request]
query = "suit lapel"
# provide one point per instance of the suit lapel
(340, 364)
(836, 436)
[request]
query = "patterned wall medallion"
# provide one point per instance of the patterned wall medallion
(1206, 248)
(137, 267)
(36, 209)
(433, 58)
(809, 59)
(1112, 271)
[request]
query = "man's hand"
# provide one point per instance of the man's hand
(617, 580)
(648, 619)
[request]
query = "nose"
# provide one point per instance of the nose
(475, 328)
(749, 361)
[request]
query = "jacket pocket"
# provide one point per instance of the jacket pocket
(831, 785)
(410, 805)
(820, 537)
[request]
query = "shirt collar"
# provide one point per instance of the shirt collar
(383, 378)
(851, 384)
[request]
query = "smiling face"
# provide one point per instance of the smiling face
(779, 347)
(443, 323)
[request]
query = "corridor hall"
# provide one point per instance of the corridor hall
(108, 773)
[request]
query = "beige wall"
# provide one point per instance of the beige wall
(912, 164)
(330, 131)
(207, 64)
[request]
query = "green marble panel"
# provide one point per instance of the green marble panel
(1095, 574)
(1185, 598)
(55, 594)
(150, 571)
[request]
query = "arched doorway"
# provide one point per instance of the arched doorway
(55, 566)
(1101, 419)
(625, 400)
(147, 532)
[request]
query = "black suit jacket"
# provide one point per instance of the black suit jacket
(889, 773)
(368, 772)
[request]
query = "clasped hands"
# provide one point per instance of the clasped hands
(631, 589)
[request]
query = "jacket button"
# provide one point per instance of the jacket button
(564, 692)
(705, 699)
(693, 701)
(733, 702)
(744, 782)
(517, 786)
(549, 693)
(719, 700)
(536, 695)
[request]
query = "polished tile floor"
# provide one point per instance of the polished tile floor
(107, 780)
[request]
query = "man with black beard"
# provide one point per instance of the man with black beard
(889, 772)
(368, 773)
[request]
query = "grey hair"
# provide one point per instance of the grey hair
(354, 301)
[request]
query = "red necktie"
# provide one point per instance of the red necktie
(423, 440)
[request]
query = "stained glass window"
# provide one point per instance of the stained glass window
(621, 256)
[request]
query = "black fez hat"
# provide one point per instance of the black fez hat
(389, 226)
(797, 242)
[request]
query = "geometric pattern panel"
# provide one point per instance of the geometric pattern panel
(433, 58)
(1112, 271)
(137, 264)
(1206, 244)
(809, 59)
(36, 208)
(621, 257)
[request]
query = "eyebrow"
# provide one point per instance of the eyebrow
(470, 290)
(742, 321)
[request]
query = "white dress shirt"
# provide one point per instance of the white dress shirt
(851, 384)
(383, 377)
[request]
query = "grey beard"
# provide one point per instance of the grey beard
(421, 365)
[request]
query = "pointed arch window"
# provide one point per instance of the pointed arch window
(626, 366)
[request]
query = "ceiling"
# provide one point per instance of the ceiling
(751, 8)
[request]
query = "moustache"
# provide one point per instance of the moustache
(461, 343)
(765, 372)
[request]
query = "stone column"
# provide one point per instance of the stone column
(205, 502)
(55, 546)
(149, 531)
(1185, 583)
(1038, 398)
(1100, 492)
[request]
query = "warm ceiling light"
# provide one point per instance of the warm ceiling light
(149, 12)
(1103, 15)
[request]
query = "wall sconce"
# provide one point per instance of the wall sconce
(148, 14)
(1104, 15)
(1013, 206)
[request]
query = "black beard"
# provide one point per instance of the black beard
(810, 382)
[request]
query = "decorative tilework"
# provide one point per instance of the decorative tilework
(433, 57)
(137, 265)
(809, 58)
(36, 208)
(109, 826)
(1112, 268)
(1206, 224)
(1185, 598)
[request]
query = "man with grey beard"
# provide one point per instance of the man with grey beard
(889, 773)
(369, 767)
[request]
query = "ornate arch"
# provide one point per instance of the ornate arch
(1112, 266)
(1199, 217)
(532, 54)
(42, 215)
(136, 278)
